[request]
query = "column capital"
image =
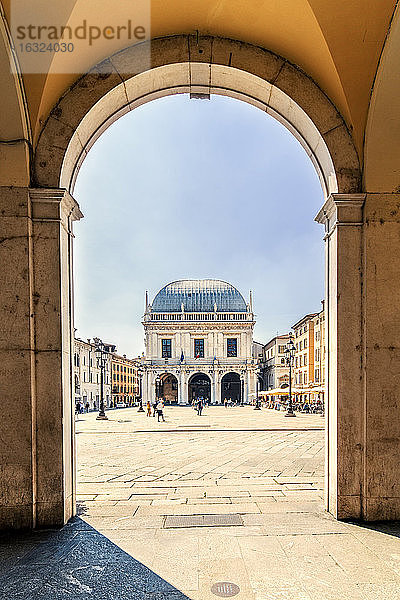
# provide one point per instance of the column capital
(54, 204)
(341, 209)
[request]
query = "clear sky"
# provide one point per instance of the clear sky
(190, 189)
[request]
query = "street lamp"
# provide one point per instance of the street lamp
(157, 384)
(102, 357)
(140, 375)
(289, 356)
(257, 406)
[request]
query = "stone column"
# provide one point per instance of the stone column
(180, 387)
(217, 388)
(184, 387)
(342, 216)
(36, 351)
(246, 386)
(213, 398)
(144, 387)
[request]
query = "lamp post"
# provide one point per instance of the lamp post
(140, 375)
(101, 357)
(289, 355)
(257, 406)
(157, 386)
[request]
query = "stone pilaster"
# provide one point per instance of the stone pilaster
(342, 216)
(37, 483)
(184, 388)
(381, 357)
(213, 398)
(53, 213)
(218, 388)
(246, 387)
(17, 361)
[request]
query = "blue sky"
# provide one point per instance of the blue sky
(189, 189)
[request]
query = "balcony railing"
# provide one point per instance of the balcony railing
(200, 316)
(190, 362)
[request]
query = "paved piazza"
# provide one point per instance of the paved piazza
(169, 510)
(134, 472)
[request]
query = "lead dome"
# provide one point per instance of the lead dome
(199, 295)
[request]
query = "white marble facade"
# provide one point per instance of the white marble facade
(200, 332)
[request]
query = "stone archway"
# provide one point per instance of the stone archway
(208, 65)
(169, 388)
(231, 388)
(199, 386)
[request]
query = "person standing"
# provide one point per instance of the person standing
(199, 406)
(155, 407)
(148, 406)
(160, 410)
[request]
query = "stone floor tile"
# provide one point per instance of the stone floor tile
(278, 580)
(211, 500)
(318, 572)
(350, 553)
(383, 591)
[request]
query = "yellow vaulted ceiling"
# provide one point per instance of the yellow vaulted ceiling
(338, 43)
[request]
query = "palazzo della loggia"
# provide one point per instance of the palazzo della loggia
(198, 340)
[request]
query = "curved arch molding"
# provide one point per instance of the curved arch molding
(186, 64)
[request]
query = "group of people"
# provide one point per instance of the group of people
(81, 408)
(305, 407)
(231, 402)
(198, 404)
(157, 408)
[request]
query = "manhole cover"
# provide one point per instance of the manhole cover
(225, 589)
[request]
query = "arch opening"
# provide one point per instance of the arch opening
(168, 388)
(199, 387)
(231, 389)
(225, 67)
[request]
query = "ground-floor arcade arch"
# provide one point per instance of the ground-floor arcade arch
(185, 376)
(362, 352)
(199, 387)
(231, 388)
(169, 388)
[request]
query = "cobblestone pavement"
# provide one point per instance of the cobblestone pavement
(168, 510)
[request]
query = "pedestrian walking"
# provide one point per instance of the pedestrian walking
(199, 406)
(155, 407)
(160, 410)
(148, 406)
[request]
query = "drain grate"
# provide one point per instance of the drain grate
(176, 521)
(199, 425)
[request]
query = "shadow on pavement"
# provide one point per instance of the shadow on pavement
(75, 562)
(388, 527)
